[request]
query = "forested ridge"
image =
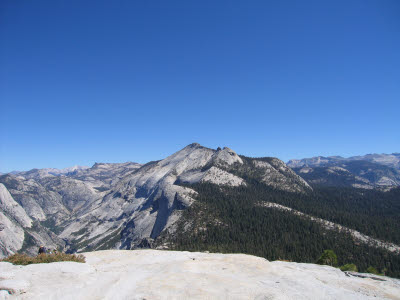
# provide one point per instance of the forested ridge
(371, 211)
(230, 219)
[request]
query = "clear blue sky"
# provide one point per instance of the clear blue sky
(112, 81)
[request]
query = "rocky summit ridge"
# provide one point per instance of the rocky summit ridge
(124, 205)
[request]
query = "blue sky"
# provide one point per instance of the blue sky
(113, 81)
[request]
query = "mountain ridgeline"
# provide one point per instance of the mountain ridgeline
(368, 171)
(205, 199)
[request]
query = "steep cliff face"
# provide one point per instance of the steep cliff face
(13, 220)
(12, 208)
(18, 231)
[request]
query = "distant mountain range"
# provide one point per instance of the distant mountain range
(390, 160)
(368, 171)
(209, 199)
(37, 173)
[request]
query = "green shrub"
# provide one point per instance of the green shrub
(328, 258)
(349, 267)
(23, 259)
(372, 270)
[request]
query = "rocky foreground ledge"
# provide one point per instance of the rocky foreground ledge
(152, 274)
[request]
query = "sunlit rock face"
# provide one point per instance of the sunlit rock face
(126, 205)
(152, 274)
(144, 203)
(13, 219)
